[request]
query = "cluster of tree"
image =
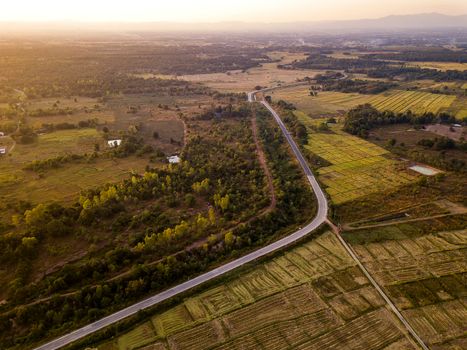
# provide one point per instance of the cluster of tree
(225, 178)
(90, 123)
(439, 55)
(131, 144)
(440, 160)
(26, 324)
(361, 119)
(319, 61)
(285, 105)
(69, 70)
(227, 111)
(415, 73)
(49, 112)
(438, 143)
(25, 134)
(376, 68)
(56, 162)
(358, 85)
(297, 128)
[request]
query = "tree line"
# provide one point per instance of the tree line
(26, 324)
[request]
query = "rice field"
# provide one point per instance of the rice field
(425, 276)
(310, 297)
(358, 166)
(395, 100)
(416, 101)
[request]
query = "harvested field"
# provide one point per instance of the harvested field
(267, 75)
(309, 308)
(425, 276)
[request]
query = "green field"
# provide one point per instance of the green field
(394, 100)
(358, 166)
(309, 298)
(65, 182)
(415, 101)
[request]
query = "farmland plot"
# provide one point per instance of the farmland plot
(416, 101)
(285, 303)
(394, 100)
(425, 276)
(358, 166)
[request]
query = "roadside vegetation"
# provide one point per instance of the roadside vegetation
(93, 217)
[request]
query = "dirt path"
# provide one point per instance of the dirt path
(199, 243)
(347, 228)
(264, 165)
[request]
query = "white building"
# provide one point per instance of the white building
(114, 143)
(2, 133)
(2, 150)
(174, 159)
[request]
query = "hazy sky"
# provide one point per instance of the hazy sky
(218, 10)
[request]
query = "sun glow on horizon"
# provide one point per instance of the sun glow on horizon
(216, 10)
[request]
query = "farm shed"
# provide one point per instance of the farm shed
(174, 159)
(114, 143)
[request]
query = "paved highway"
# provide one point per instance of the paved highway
(320, 218)
(133, 309)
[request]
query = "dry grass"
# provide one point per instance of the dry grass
(442, 66)
(283, 304)
(237, 81)
(424, 277)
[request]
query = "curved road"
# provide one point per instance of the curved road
(320, 218)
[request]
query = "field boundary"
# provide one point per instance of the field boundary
(133, 309)
(391, 305)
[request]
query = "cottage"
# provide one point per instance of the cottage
(174, 159)
(2, 150)
(114, 143)
(2, 134)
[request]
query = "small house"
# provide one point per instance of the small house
(2, 134)
(114, 143)
(457, 125)
(174, 159)
(2, 150)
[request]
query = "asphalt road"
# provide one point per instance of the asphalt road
(133, 309)
(322, 202)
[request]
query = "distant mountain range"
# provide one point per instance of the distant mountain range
(388, 23)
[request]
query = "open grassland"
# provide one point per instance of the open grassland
(358, 166)
(424, 274)
(240, 81)
(394, 100)
(75, 103)
(312, 297)
(102, 117)
(443, 66)
(64, 182)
